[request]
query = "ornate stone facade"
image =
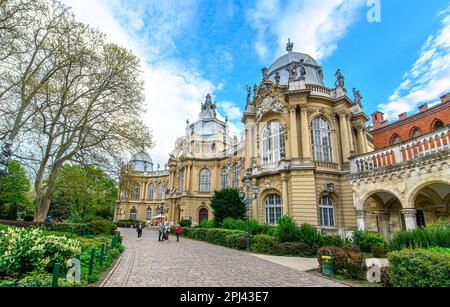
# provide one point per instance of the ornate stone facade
(299, 136)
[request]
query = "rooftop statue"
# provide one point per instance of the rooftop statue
(255, 90)
(302, 68)
(249, 94)
(358, 97)
(265, 72)
(277, 77)
(290, 46)
(292, 69)
(340, 80)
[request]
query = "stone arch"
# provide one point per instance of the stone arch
(203, 213)
(415, 191)
(327, 117)
(337, 208)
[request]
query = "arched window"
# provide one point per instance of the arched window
(158, 211)
(133, 214)
(437, 125)
(326, 211)
(273, 143)
(274, 209)
(321, 140)
(160, 191)
(150, 192)
(148, 213)
(396, 139)
(235, 183)
(181, 174)
(136, 192)
(205, 180)
(224, 177)
(415, 133)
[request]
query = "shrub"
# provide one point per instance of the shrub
(367, 241)
(419, 268)
(331, 240)
(185, 223)
(78, 229)
(434, 235)
(348, 262)
(207, 224)
(308, 234)
(225, 237)
(385, 277)
(26, 250)
(263, 244)
(97, 225)
(230, 223)
(227, 203)
(297, 249)
(287, 231)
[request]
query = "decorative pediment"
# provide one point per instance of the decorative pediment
(269, 104)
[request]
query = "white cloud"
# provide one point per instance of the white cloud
(315, 26)
(173, 92)
(233, 111)
(429, 76)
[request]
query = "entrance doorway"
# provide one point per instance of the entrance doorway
(203, 215)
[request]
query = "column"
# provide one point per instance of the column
(294, 135)
(344, 137)
(284, 180)
(306, 140)
(410, 218)
(350, 134)
(384, 219)
(360, 219)
(362, 146)
(187, 178)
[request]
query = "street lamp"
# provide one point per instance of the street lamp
(163, 211)
(247, 196)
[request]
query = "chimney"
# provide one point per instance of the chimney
(378, 120)
(423, 107)
(403, 116)
(445, 98)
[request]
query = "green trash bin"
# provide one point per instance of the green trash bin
(327, 263)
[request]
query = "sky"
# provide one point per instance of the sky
(399, 58)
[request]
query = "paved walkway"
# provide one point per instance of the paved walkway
(149, 263)
(296, 263)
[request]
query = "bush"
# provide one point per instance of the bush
(227, 203)
(287, 231)
(26, 250)
(348, 262)
(297, 249)
(419, 268)
(78, 229)
(185, 223)
(434, 235)
(331, 240)
(230, 223)
(263, 244)
(308, 234)
(225, 237)
(368, 241)
(207, 224)
(385, 277)
(97, 225)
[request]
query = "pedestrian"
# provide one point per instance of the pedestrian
(139, 230)
(178, 232)
(167, 231)
(161, 231)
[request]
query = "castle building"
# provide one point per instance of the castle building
(299, 138)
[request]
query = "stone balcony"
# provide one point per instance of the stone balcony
(415, 150)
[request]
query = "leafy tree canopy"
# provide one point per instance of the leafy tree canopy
(14, 189)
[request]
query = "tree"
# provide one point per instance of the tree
(227, 204)
(81, 191)
(14, 188)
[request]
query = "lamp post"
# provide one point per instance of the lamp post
(163, 211)
(247, 196)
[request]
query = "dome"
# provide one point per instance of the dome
(142, 162)
(313, 69)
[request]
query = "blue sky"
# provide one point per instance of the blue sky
(193, 47)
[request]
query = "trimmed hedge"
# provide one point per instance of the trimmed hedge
(263, 244)
(419, 268)
(225, 237)
(295, 249)
(185, 223)
(76, 228)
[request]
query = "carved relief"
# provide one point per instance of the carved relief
(269, 104)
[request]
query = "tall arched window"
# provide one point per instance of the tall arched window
(181, 174)
(274, 209)
(205, 180)
(235, 183)
(273, 143)
(326, 211)
(136, 192)
(224, 177)
(160, 191)
(151, 190)
(437, 125)
(321, 140)
(396, 139)
(133, 214)
(148, 213)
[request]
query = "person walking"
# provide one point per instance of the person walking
(139, 231)
(178, 232)
(161, 232)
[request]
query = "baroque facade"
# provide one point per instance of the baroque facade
(299, 137)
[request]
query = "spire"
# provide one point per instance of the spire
(290, 46)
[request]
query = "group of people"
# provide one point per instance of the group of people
(164, 232)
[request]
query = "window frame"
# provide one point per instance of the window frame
(321, 133)
(273, 143)
(205, 180)
(327, 217)
(273, 209)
